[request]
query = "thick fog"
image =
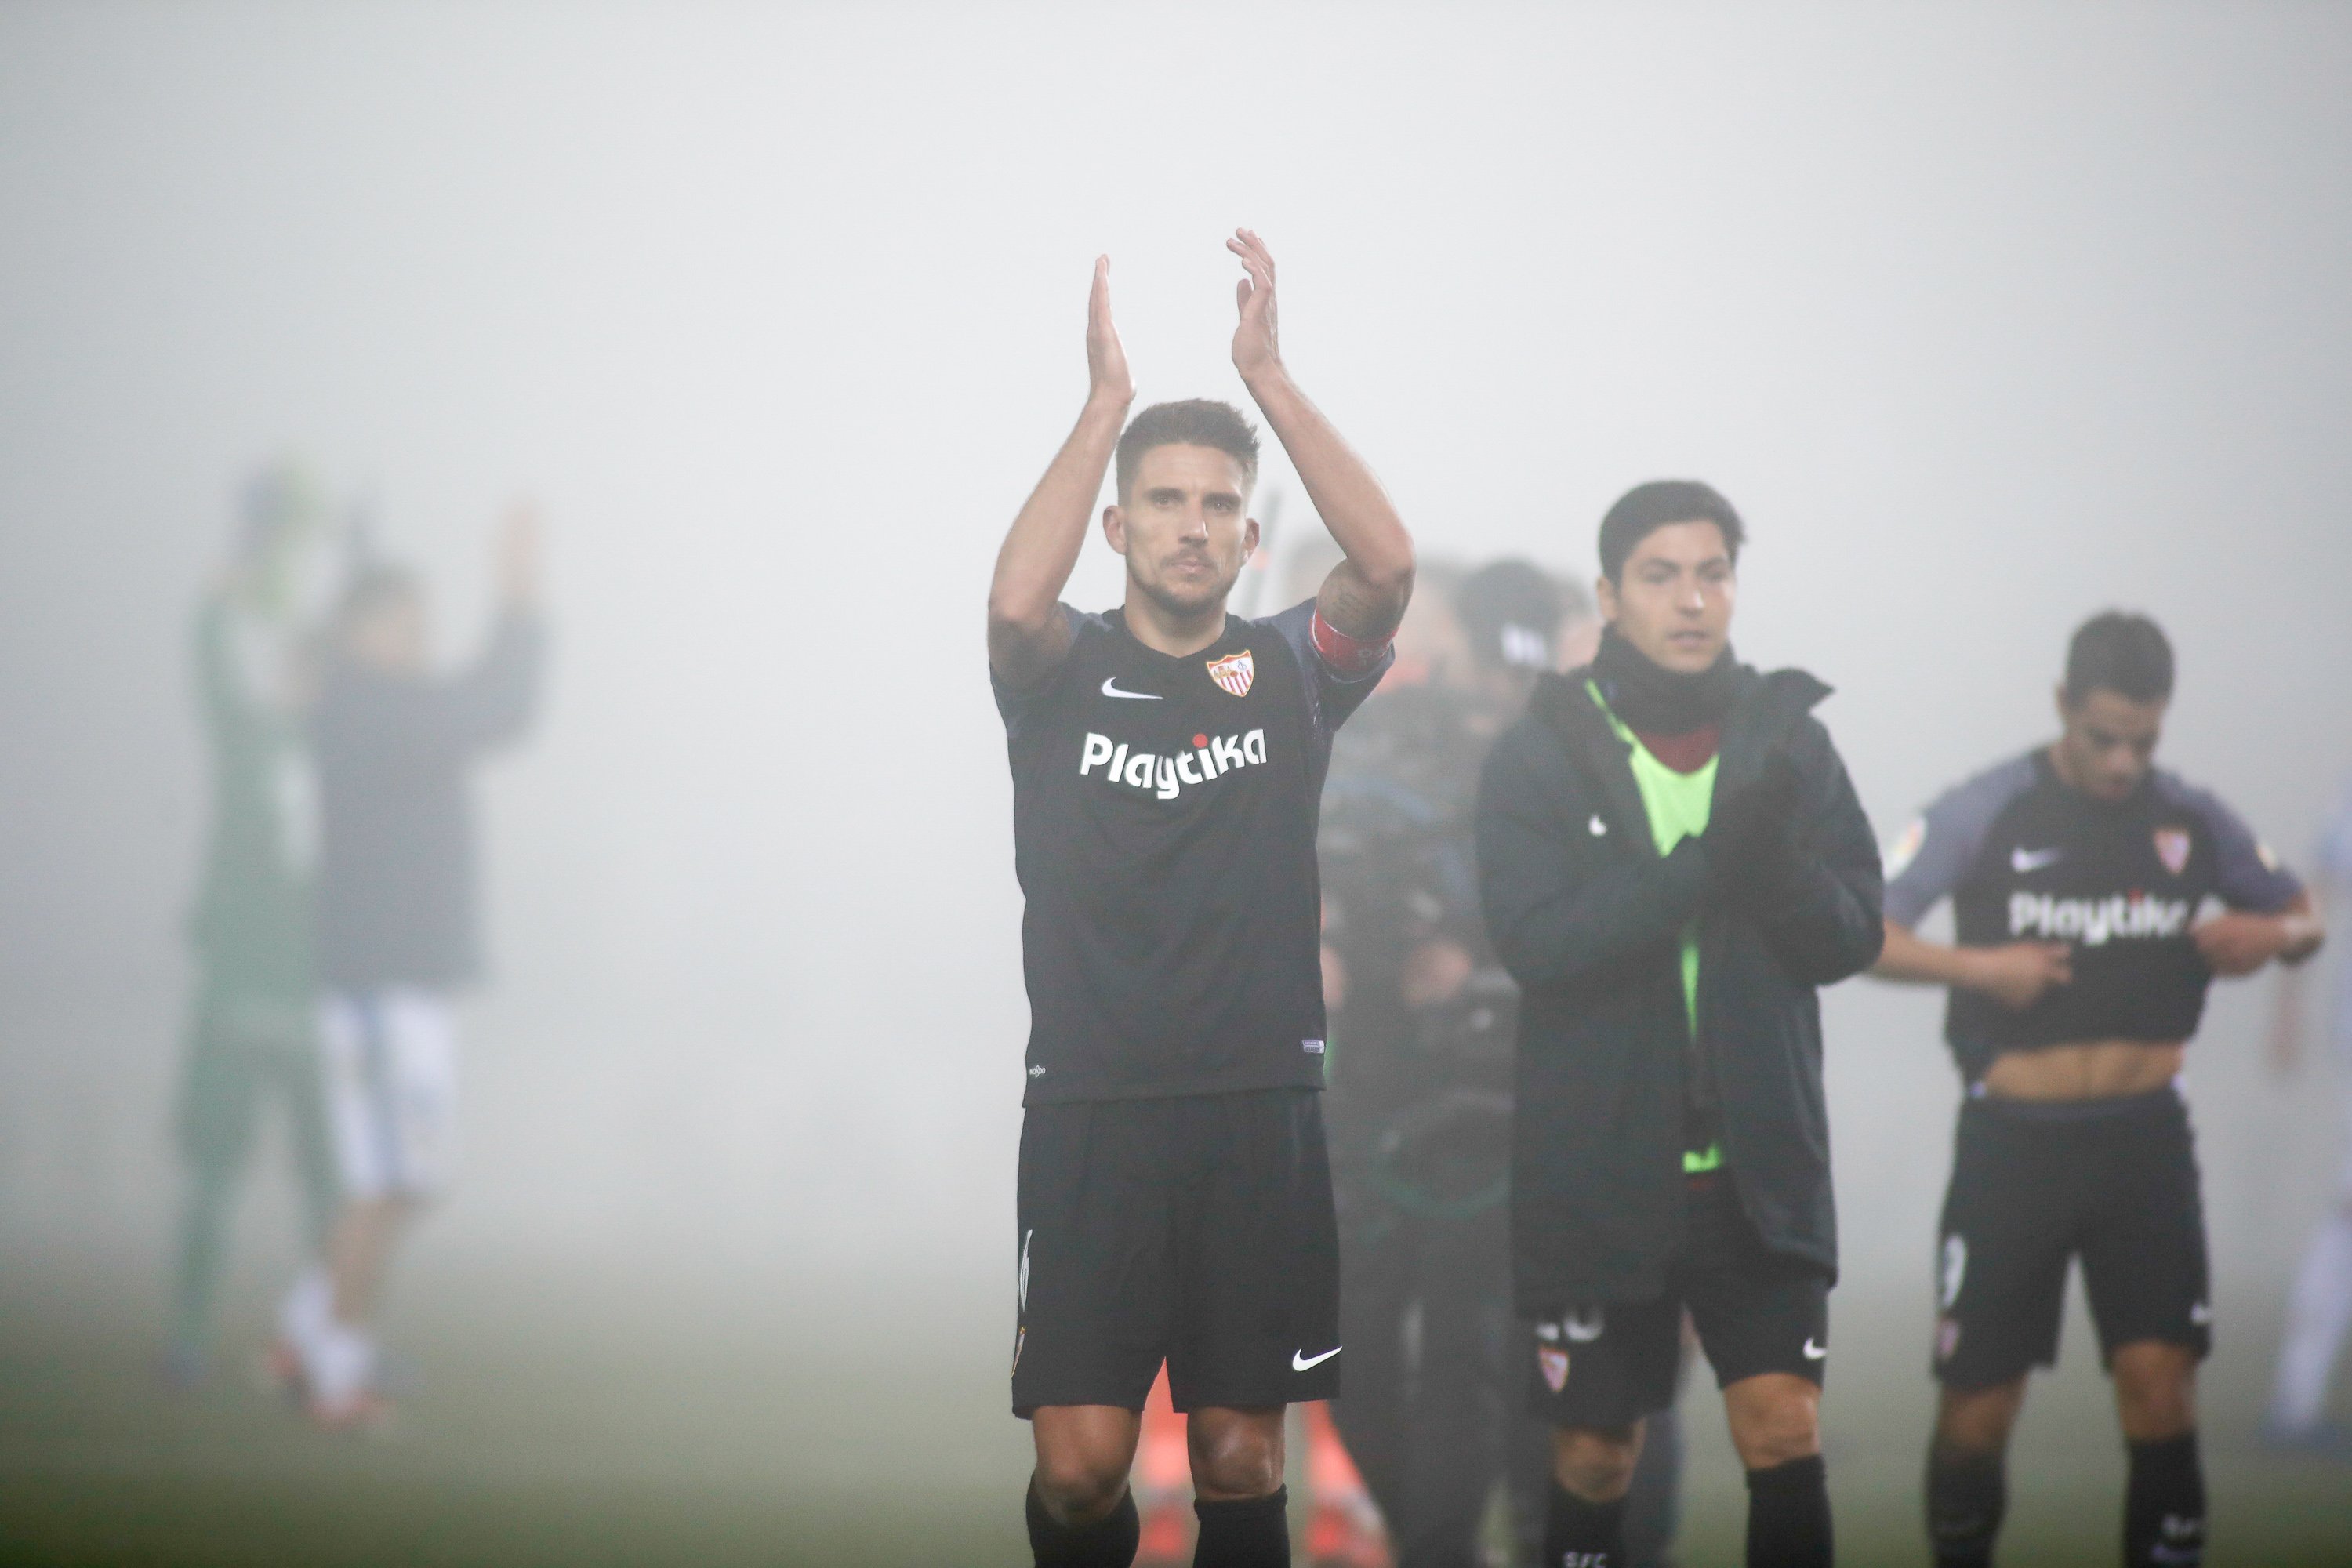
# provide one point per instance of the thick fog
(1986, 318)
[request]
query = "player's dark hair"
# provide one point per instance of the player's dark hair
(373, 588)
(1645, 508)
(1195, 422)
(2119, 652)
(1510, 613)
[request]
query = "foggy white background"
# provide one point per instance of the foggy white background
(1987, 317)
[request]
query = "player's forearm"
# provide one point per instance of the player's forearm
(1042, 548)
(1914, 960)
(2302, 929)
(1367, 598)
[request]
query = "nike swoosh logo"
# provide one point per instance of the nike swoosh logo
(2023, 861)
(1814, 1352)
(1111, 690)
(1300, 1361)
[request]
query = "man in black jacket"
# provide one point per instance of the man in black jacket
(1673, 860)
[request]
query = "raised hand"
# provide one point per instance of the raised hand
(1107, 377)
(1256, 343)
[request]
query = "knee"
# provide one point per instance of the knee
(1774, 1419)
(1974, 1424)
(1236, 1454)
(1595, 1464)
(1079, 1483)
(2156, 1390)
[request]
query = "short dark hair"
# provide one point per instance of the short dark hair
(1645, 508)
(2121, 652)
(1195, 422)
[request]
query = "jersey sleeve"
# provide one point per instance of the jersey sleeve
(1332, 693)
(1017, 706)
(2246, 875)
(1935, 852)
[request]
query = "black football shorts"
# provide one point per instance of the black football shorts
(1197, 1229)
(2034, 1185)
(1607, 1364)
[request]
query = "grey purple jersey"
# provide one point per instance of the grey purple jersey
(2332, 866)
(2025, 857)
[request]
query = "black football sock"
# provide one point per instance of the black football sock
(1789, 1515)
(1581, 1534)
(1108, 1542)
(2164, 1504)
(1967, 1496)
(1244, 1533)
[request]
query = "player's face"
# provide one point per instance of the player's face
(391, 638)
(1674, 598)
(2108, 742)
(1183, 527)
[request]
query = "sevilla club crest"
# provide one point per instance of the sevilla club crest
(1553, 1362)
(2172, 848)
(1234, 673)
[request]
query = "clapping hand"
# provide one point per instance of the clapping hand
(1257, 348)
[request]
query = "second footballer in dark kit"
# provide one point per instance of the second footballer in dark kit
(2076, 874)
(1174, 1196)
(1673, 860)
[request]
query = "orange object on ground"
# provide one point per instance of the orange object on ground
(1162, 1480)
(1344, 1529)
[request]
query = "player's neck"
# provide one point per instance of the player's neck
(2057, 755)
(1163, 630)
(2067, 775)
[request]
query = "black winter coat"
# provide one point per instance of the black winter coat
(1587, 917)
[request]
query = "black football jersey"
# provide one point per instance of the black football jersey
(2024, 857)
(1164, 816)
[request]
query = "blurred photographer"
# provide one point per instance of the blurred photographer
(1422, 1021)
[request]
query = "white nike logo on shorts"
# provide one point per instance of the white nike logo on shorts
(1300, 1361)
(1110, 690)
(1814, 1352)
(2022, 861)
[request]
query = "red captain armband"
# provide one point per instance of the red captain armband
(1342, 655)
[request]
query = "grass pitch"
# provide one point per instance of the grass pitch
(576, 1418)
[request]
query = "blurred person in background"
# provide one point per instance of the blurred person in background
(2077, 973)
(1579, 631)
(398, 929)
(1421, 1028)
(1672, 862)
(2319, 1310)
(1168, 757)
(251, 1038)
(1367, 804)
